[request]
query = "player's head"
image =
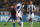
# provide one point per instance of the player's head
(31, 2)
(11, 6)
(23, 2)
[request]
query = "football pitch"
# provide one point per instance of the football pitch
(25, 24)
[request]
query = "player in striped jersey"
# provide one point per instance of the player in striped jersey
(31, 11)
(19, 8)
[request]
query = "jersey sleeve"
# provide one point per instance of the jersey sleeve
(18, 4)
(22, 6)
(28, 7)
(34, 7)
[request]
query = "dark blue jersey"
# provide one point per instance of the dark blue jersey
(13, 12)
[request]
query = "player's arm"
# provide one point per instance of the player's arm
(27, 8)
(23, 8)
(34, 9)
(16, 10)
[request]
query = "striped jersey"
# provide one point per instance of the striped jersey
(19, 7)
(31, 8)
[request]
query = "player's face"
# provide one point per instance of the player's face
(31, 2)
(11, 6)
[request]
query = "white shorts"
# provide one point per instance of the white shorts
(20, 14)
(31, 16)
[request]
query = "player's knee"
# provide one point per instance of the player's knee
(20, 18)
(17, 21)
(13, 21)
(30, 19)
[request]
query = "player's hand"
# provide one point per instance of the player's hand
(27, 10)
(23, 10)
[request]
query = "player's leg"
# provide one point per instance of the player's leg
(13, 22)
(30, 19)
(32, 16)
(18, 22)
(21, 21)
(7, 21)
(20, 17)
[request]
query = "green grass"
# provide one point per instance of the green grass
(26, 24)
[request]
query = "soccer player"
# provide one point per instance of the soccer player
(14, 16)
(9, 18)
(31, 10)
(19, 8)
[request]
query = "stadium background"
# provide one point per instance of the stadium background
(5, 14)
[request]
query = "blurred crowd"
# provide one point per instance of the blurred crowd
(5, 4)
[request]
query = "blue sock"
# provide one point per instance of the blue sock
(14, 25)
(19, 24)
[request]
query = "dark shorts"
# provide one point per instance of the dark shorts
(14, 18)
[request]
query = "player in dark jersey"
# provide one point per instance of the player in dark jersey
(10, 17)
(13, 15)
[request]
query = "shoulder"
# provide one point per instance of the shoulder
(33, 5)
(19, 4)
(28, 5)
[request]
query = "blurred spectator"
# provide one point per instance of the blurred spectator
(5, 0)
(39, 10)
(37, 7)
